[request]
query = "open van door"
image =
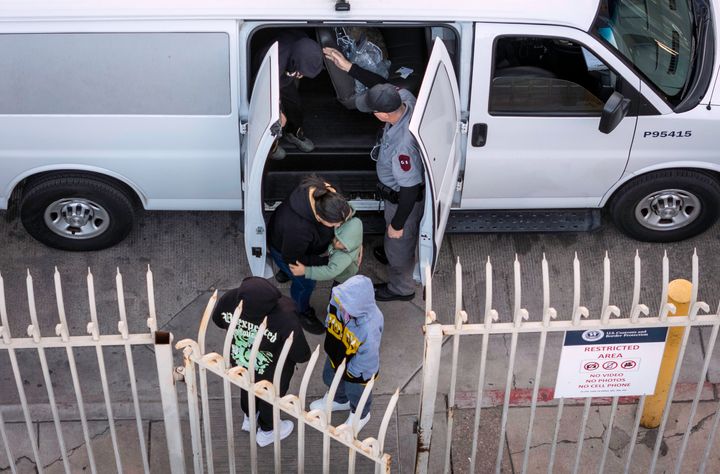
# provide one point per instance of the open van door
(435, 123)
(262, 128)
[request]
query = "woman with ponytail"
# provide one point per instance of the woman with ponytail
(300, 230)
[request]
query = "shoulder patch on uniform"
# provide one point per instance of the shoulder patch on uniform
(405, 164)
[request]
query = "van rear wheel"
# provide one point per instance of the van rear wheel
(666, 206)
(77, 212)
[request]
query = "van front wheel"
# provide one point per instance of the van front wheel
(666, 206)
(77, 212)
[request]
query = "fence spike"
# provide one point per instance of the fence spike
(637, 308)
(519, 313)
(4, 326)
(152, 314)
(430, 315)
(122, 324)
(61, 329)
(230, 334)
(490, 314)
(33, 329)
(696, 305)
(202, 330)
(386, 421)
(578, 311)
(548, 311)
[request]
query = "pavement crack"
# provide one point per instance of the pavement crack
(17, 461)
(562, 441)
(695, 428)
(72, 451)
(200, 294)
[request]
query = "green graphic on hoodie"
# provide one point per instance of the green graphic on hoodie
(242, 346)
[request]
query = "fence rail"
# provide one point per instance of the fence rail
(197, 364)
(609, 317)
(80, 383)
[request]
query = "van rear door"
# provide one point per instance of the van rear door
(436, 126)
(262, 129)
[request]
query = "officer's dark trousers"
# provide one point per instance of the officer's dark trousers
(401, 252)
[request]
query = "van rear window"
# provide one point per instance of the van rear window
(115, 73)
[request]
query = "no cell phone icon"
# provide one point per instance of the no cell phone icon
(628, 364)
(610, 365)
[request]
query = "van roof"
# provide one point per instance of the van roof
(574, 13)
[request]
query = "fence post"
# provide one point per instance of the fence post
(679, 294)
(428, 394)
(168, 395)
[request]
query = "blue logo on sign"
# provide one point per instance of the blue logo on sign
(592, 335)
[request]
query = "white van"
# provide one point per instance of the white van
(525, 109)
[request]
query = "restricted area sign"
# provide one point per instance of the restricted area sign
(610, 362)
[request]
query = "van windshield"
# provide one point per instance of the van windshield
(657, 37)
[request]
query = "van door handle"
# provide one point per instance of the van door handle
(479, 135)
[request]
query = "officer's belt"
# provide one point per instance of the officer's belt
(389, 194)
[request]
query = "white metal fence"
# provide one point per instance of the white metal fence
(82, 382)
(197, 364)
(544, 325)
(194, 372)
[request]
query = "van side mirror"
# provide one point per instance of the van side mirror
(615, 109)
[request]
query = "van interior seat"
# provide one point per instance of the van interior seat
(407, 48)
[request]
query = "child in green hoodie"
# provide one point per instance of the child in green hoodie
(344, 255)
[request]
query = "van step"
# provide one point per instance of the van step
(488, 221)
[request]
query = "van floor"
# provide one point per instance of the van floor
(343, 139)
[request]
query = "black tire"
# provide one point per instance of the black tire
(693, 197)
(106, 207)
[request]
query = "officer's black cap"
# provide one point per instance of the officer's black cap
(379, 98)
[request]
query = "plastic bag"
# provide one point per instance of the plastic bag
(364, 53)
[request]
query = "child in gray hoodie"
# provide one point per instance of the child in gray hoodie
(354, 330)
(343, 253)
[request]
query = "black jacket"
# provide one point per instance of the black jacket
(296, 234)
(260, 298)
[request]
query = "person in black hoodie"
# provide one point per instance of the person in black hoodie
(300, 230)
(298, 56)
(260, 299)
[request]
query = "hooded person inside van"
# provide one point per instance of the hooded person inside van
(343, 255)
(354, 331)
(298, 56)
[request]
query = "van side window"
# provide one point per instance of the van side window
(548, 76)
(115, 73)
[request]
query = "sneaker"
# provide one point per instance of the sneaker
(281, 277)
(311, 323)
(383, 293)
(320, 404)
(379, 254)
(299, 139)
(263, 438)
(361, 423)
(246, 422)
(278, 152)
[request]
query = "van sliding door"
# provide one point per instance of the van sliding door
(435, 123)
(262, 128)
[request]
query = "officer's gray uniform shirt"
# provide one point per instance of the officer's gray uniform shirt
(399, 163)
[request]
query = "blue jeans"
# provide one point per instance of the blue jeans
(301, 288)
(346, 391)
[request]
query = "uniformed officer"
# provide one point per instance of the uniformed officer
(400, 172)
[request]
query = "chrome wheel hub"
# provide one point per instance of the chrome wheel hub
(76, 218)
(668, 209)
